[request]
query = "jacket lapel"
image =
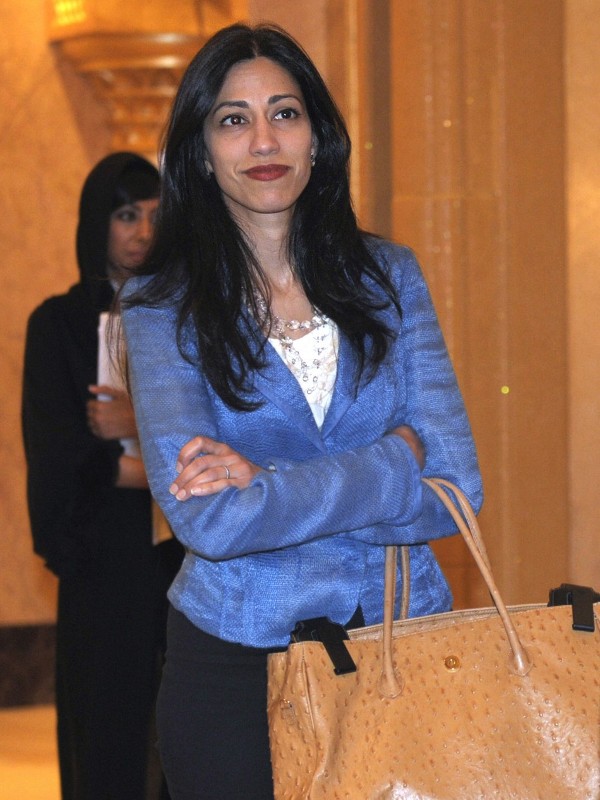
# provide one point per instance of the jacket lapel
(344, 390)
(277, 384)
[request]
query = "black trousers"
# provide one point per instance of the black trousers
(110, 646)
(212, 718)
(213, 733)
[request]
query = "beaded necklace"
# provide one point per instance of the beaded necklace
(306, 369)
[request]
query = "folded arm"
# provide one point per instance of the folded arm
(288, 501)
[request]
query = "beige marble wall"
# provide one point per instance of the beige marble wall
(51, 133)
(583, 197)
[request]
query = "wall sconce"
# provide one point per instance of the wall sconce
(134, 56)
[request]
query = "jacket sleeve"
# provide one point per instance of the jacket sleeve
(67, 467)
(434, 405)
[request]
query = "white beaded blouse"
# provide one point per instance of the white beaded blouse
(312, 359)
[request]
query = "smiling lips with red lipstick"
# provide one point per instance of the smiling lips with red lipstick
(268, 172)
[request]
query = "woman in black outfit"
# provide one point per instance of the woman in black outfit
(89, 505)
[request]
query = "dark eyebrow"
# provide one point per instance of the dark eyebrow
(276, 98)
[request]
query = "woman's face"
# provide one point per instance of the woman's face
(258, 140)
(129, 236)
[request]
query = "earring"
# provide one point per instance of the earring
(313, 158)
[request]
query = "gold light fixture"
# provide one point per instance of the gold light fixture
(134, 56)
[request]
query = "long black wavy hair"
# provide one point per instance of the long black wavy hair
(201, 257)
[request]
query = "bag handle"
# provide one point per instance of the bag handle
(463, 515)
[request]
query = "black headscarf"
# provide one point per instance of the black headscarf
(118, 179)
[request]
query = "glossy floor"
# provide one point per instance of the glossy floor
(28, 763)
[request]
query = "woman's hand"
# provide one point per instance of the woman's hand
(206, 466)
(132, 474)
(113, 417)
(413, 441)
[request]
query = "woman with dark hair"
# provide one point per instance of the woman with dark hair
(89, 504)
(306, 359)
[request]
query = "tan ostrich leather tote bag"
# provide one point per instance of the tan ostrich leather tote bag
(487, 704)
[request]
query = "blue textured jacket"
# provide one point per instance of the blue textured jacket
(305, 539)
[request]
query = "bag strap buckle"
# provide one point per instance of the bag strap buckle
(582, 599)
(332, 636)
